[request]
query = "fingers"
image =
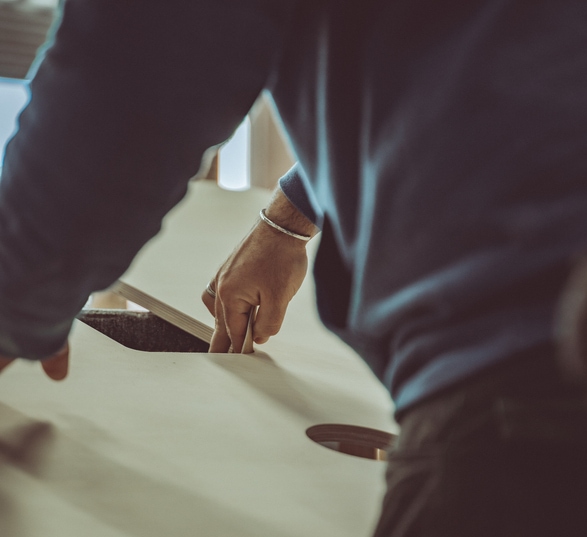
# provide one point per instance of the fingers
(5, 362)
(231, 319)
(237, 320)
(264, 270)
(57, 366)
(220, 341)
(208, 300)
(231, 325)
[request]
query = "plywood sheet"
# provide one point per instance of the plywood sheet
(157, 444)
(151, 444)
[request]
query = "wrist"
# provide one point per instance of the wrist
(284, 231)
(293, 223)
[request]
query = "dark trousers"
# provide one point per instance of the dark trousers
(501, 455)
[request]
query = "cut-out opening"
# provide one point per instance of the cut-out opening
(141, 330)
(353, 440)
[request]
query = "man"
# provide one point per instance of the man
(441, 151)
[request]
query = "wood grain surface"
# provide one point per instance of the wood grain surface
(140, 444)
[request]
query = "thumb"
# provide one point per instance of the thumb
(57, 366)
(268, 321)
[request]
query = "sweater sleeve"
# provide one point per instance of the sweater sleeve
(293, 186)
(123, 105)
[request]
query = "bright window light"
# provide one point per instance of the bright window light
(234, 160)
(13, 97)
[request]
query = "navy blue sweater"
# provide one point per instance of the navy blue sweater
(442, 144)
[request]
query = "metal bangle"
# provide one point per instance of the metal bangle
(263, 216)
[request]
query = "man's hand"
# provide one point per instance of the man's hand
(266, 269)
(55, 366)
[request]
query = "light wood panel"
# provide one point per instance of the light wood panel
(152, 444)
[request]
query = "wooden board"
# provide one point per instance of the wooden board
(152, 444)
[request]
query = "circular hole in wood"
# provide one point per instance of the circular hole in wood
(353, 440)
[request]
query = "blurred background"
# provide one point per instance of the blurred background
(257, 155)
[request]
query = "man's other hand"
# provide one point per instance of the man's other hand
(55, 366)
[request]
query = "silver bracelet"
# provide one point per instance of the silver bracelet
(263, 216)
